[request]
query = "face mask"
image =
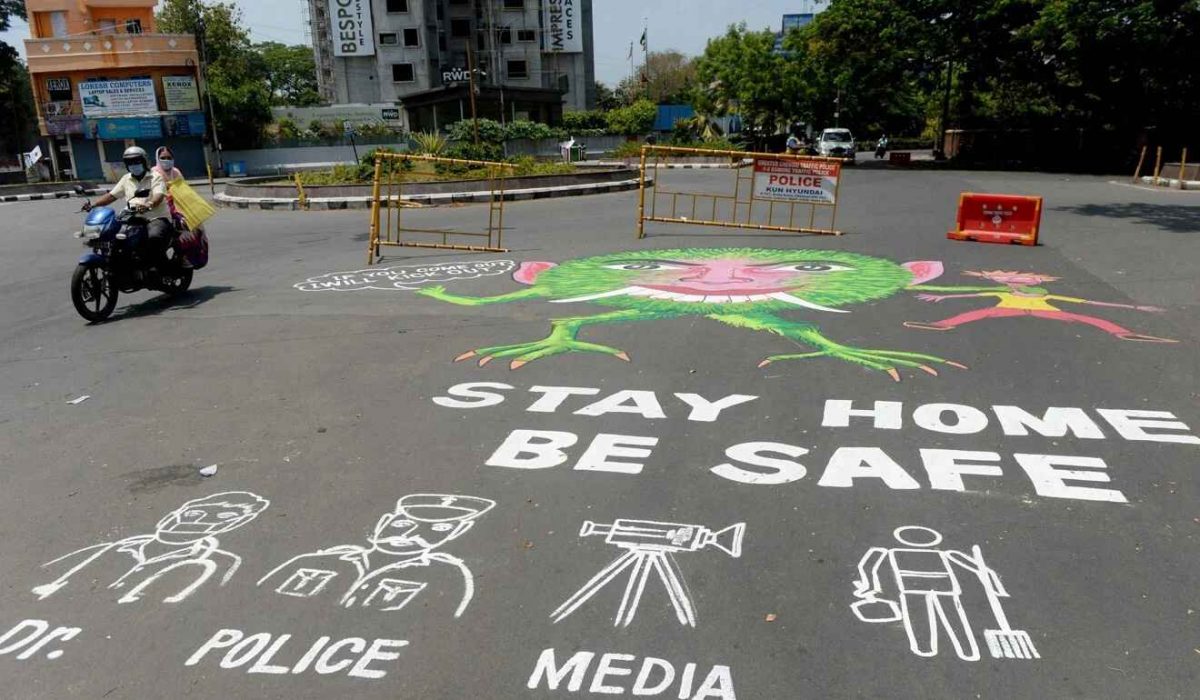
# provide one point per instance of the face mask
(137, 170)
(166, 164)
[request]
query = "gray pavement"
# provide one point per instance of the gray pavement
(334, 405)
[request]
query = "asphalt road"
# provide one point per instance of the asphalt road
(335, 405)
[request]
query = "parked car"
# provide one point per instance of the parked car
(836, 143)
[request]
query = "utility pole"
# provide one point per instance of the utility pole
(939, 149)
(212, 116)
(471, 83)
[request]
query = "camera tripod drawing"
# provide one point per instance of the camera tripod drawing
(185, 540)
(929, 597)
(650, 547)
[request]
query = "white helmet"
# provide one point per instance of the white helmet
(135, 154)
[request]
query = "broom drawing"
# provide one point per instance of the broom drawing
(1003, 642)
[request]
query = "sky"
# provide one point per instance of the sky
(683, 25)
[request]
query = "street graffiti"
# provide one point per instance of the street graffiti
(745, 288)
(928, 596)
(184, 543)
(1020, 295)
(650, 547)
(405, 277)
(404, 543)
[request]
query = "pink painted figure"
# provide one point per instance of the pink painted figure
(1020, 296)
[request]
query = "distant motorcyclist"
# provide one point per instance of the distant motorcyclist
(153, 208)
(881, 147)
(794, 146)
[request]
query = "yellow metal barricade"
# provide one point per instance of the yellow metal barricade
(387, 203)
(766, 187)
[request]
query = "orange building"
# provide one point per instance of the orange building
(104, 79)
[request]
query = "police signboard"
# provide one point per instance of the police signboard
(563, 31)
(799, 181)
(352, 30)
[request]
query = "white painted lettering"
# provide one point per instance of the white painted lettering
(35, 628)
(1055, 422)
(967, 421)
(263, 663)
(470, 395)
(59, 633)
(532, 449)
(886, 414)
(323, 665)
(641, 685)
(576, 666)
(310, 655)
(782, 471)
(1051, 482)
(245, 650)
(718, 684)
(377, 652)
(705, 411)
(606, 668)
(223, 639)
(946, 467)
(595, 458)
(554, 396)
(850, 463)
(685, 681)
(1132, 425)
(643, 403)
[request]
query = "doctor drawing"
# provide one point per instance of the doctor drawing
(398, 561)
(183, 547)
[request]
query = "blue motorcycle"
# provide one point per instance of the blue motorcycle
(119, 262)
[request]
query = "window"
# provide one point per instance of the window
(518, 69)
(526, 36)
(108, 26)
(58, 23)
(388, 39)
(505, 36)
(397, 5)
(514, 4)
(460, 28)
(412, 37)
(403, 73)
(441, 41)
(133, 26)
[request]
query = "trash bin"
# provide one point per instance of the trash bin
(578, 152)
(235, 168)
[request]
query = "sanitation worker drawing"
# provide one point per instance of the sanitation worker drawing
(1019, 295)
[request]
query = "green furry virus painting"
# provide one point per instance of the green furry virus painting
(753, 289)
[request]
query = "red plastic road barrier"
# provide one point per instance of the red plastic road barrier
(998, 218)
(899, 157)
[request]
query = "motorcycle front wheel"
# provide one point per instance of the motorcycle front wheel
(93, 292)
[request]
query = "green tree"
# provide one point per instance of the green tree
(634, 120)
(16, 95)
(741, 73)
(237, 74)
(666, 77)
(291, 74)
(606, 99)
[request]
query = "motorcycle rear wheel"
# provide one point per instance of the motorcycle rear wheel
(93, 292)
(175, 285)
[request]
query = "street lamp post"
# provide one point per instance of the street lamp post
(212, 117)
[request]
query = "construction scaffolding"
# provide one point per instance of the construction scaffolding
(387, 203)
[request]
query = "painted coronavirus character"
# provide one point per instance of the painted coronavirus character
(747, 288)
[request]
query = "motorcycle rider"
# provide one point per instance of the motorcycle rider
(140, 176)
(881, 146)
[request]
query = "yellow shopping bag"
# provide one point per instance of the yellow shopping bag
(195, 209)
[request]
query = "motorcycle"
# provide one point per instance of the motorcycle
(119, 262)
(881, 149)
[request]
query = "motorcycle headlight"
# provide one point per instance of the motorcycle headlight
(91, 231)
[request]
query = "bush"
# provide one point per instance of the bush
(490, 131)
(430, 143)
(288, 129)
(628, 149)
(576, 122)
(528, 130)
(636, 119)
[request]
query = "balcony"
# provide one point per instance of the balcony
(107, 51)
